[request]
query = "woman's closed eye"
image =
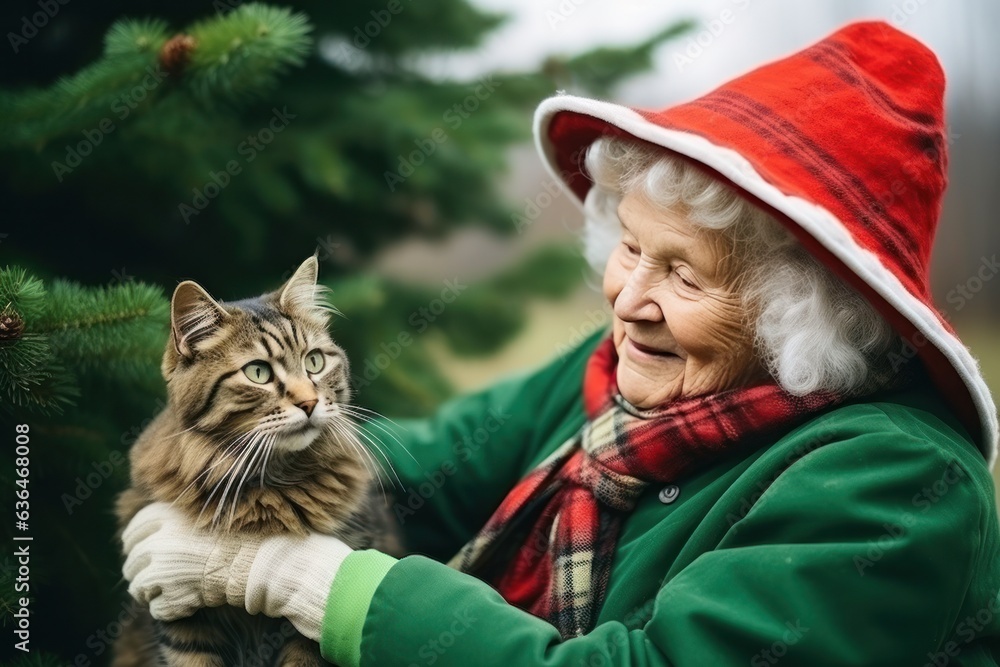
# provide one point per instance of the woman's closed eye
(686, 282)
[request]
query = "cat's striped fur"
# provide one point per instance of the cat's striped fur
(253, 457)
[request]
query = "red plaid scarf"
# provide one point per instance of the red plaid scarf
(557, 565)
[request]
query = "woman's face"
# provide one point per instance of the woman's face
(679, 325)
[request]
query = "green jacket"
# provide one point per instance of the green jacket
(866, 536)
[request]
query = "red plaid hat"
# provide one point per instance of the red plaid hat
(844, 142)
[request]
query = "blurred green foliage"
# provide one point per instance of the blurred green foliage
(149, 143)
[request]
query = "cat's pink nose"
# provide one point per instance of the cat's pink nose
(307, 406)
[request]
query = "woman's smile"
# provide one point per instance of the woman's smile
(643, 352)
(678, 319)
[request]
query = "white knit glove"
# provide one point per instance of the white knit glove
(177, 568)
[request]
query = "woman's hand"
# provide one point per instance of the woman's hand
(177, 569)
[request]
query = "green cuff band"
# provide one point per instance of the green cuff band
(351, 592)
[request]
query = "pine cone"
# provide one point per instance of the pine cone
(11, 327)
(176, 54)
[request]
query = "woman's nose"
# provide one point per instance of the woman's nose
(634, 303)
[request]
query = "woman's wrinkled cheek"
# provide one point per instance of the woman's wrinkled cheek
(614, 279)
(612, 284)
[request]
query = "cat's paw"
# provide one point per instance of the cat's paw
(301, 652)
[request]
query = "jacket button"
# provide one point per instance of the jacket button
(669, 493)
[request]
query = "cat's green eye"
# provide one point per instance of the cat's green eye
(258, 371)
(315, 361)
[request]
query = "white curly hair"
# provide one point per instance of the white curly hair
(811, 330)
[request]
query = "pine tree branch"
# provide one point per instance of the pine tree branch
(599, 70)
(50, 389)
(30, 375)
(233, 58)
(22, 293)
(118, 330)
(106, 90)
(24, 366)
(242, 53)
(72, 306)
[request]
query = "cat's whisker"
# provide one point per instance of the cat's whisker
(222, 458)
(376, 475)
(347, 428)
(349, 437)
(263, 466)
(260, 448)
(376, 418)
(374, 442)
(371, 437)
(374, 472)
(375, 413)
(233, 471)
(222, 501)
(174, 435)
(317, 480)
(333, 428)
(215, 488)
(350, 410)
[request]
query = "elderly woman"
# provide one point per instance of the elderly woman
(779, 452)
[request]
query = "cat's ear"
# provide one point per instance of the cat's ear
(302, 295)
(194, 316)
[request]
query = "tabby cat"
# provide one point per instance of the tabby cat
(256, 437)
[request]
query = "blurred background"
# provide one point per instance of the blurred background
(148, 143)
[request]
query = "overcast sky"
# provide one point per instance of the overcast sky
(960, 32)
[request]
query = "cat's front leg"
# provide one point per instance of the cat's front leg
(299, 651)
(172, 658)
(187, 642)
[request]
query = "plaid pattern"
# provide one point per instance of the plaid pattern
(548, 546)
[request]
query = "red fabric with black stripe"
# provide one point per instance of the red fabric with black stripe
(854, 123)
(548, 547)
(839, 124)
